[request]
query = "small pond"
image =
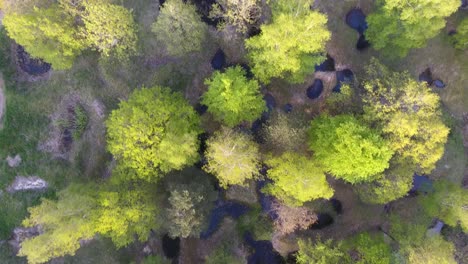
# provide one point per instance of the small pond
(264, 253)
(218, 62)
(421, 184)
(315, 90)
(30, 65)
(343, 77)
(327, 65)
(171, 246)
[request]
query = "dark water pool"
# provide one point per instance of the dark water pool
(356, 19)
(263, 252)
(315, 90)
(30, 65)
(218, 62)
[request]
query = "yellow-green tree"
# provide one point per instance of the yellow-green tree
(400, 25)
(232, 157)
(180, 28)
(319, 252)
(83, 211)
(296, 179)
(46, 33)
(291, 45)
(109, 29)
(448, 202)
(154, 132)
(232, 98)
(348, 149)
(408, 113)
(393, 183)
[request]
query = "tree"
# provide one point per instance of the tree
(433, 250)
(416, 247)
(460, 39)
(291, 45)
(392, 184)
(400, 25)
(408, 114)
(348, 149)
(154, 132)
(241, 14)
(296, 179)
(319, 252)
(191, 198)
(232, 98)
(232, 157)
(448, 202)
(285, 132)
(291, 219)
(109, 29)
(81, 211)
(46, 33)
(179, 28)
(370, 249)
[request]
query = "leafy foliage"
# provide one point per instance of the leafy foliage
(241, 14)
(400, 25)
(319, 252)
(285, 132)
(460, 38)
(232, 157)
(448, 202)
(189, 204)
(348, 149)
(222, 255)
(416, 247)
(179, 28)
(408, 114)
(46, 33)
(296, 179)
(154, 131)
(392, 184)
(371, 249)
(84, 210)
(110, 28)
(232, 98)
(291, 45)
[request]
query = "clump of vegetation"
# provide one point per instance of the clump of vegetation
(179, 28)
(232, 98)
(242, 14)
(222, 254)
(348, 149)
(400, 25)
(448, 202)
(232, 157)
(321, 252)
(154, 132)
(49, 31)
(284, 132)
(408, 114)
(460, 39)
(257, 223)
(296, 179)
(274, 54)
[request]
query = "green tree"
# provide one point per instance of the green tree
(408, 114)
(154, 132)
(232, 157)
(448, 202)
(434, 250)
(400, 25)
(416, 247)
(370, 249)
(223, 255)
(392, 184)
(109, 29)
(46, 33)
(179, 28)
(348, 149)
(241, 14)
(296, 179)
(318, 252)
(232, 98)
(191, 198)
(81, 211)
(460, 39)
(291, 45)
